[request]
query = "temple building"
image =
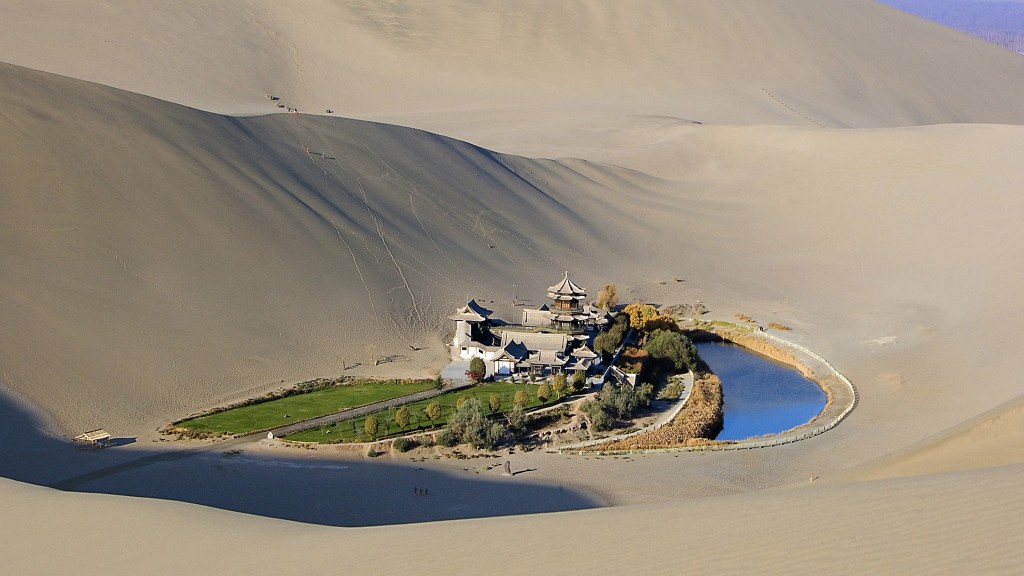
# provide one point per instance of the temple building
(552, 339)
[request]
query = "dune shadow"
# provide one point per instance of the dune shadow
(293, 485)
(115, 442)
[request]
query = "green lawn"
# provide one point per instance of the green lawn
(291, 409)
(354, 431)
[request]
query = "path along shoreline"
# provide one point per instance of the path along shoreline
(841, 395)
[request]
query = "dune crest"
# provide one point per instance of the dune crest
(530, 77)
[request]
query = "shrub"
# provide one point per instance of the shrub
(517, 421)
(494, 403)
(477, 369)
(617, 401)
(678, 310)
(438, 382)
(403, 444)
(543, 392)
(599, 420)
(469, 424)
(643, 394)
(562, 413)
(446, 438)
(672, 391)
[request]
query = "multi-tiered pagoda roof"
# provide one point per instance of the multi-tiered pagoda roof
(567, 313)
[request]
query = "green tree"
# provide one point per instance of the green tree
(371, 426)
(558, 385)
(402, 417)
(520, 398)
(543, 392)
(433, 411)
(579, 380)
(494, 403)
(608, 341)
(672, 349)
(439, 382)
(477, 369)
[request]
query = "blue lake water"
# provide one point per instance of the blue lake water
(760, 396)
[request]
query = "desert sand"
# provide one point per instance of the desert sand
(171, 241)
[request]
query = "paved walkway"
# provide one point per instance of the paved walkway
(844, 399)
(660, 421)
(456, 371)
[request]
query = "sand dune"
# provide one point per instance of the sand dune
(950, 524)
(847, 170)
(164, 255)
(531, 77)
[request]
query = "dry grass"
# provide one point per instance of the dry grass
(777, 326)
(744, 318)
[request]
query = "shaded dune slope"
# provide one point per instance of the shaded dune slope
(954, 523)
(153, 253)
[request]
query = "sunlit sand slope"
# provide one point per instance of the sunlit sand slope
(530, 76)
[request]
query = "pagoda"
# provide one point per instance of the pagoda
(567, 311)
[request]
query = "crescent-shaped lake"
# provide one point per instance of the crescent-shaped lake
(759, 395)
